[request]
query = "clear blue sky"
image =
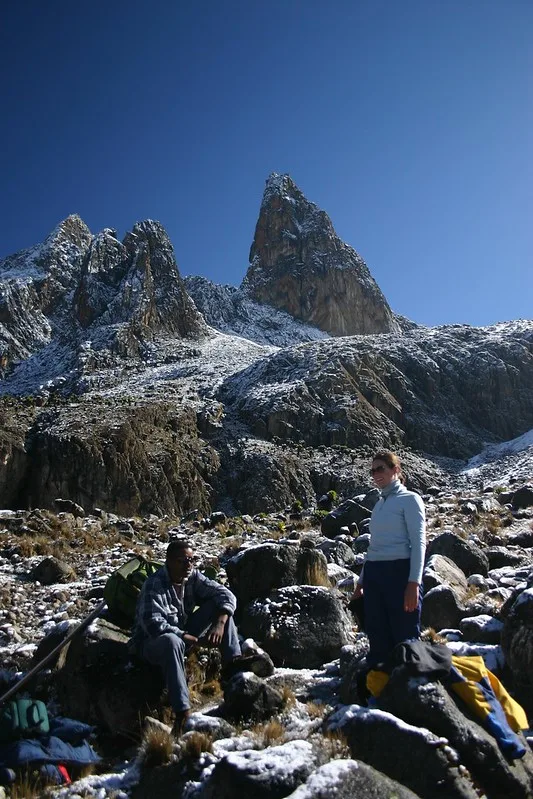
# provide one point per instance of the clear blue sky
(409, 121)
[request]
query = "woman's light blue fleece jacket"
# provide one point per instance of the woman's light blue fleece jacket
(398, 529)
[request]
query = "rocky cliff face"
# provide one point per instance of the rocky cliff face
(445, 391)
(77, 287)
(299, 265)
(135, 405)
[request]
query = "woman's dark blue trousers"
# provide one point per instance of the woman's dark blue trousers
(386, 622)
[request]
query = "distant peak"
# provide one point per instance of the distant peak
(74, 229)
(280, 186)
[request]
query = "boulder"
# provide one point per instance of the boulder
(349, 512)
(469, 558)
(517, 644)
(300, 626)
(214, 726)
(256, 571)
(505, 556)
(98, 683)
(247, 696)
(361, 543)
(337, 552)
(391, 746)
(441, 609)
(523, 539)
(269, 774)
(429, 705)
(50, 570)
(522, 497)
(439, 571)
(481, 629)
(67, 506)
(347, 779)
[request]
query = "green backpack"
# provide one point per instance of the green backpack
(23, 718)
(123, 587)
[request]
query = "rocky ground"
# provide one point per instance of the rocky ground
(307, 723)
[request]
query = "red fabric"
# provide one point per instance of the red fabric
(64, 773)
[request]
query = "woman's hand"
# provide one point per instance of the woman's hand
(358, 592)
(410, 598)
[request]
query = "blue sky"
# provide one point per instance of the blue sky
(408, 121)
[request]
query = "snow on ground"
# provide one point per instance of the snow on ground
(498, 451)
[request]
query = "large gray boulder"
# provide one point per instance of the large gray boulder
(338, 552)
(256, 571)
(269, 774)
(98, 683)
(412, 755)
(348, 779)
(247, 696)
(300, 626)
(348, 513)
(428, 704)
(469, 558)
(441, 609)
(440, 570)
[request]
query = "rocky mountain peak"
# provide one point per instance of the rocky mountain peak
(73, 281)
(299, 265)
(72, 230)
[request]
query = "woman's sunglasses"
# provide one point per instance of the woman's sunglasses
(377, 469)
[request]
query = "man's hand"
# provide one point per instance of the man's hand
(410, 598)
(216, 632)
(190, 639)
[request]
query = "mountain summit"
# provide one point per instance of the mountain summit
(299, 265)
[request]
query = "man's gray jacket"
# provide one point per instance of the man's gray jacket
(161, 610)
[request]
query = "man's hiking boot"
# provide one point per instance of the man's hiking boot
(259, 663)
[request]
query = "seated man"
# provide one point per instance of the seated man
(166, 622)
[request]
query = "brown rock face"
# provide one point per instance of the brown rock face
(299, 264)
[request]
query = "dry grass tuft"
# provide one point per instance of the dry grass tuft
(288, 696)
(156, 747)
(472, 592)
(28, 785)
(335, 745)
(431, 636)
(311, 568)
(267, 733)
(315, 711)
(273, 733)
(193, 744)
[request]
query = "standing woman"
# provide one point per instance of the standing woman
(392, 573)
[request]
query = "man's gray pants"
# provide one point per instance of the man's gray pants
(168, 651)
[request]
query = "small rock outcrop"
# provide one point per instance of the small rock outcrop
(299, 265)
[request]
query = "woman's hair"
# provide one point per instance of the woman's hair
(391, 460)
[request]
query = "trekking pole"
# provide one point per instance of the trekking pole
(42, 663)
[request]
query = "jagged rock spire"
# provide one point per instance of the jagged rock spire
(299, 264)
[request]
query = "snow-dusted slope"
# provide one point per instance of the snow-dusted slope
(232, 310)
(443, 390)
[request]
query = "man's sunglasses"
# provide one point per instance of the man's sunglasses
(377, 469)
(186, 560)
